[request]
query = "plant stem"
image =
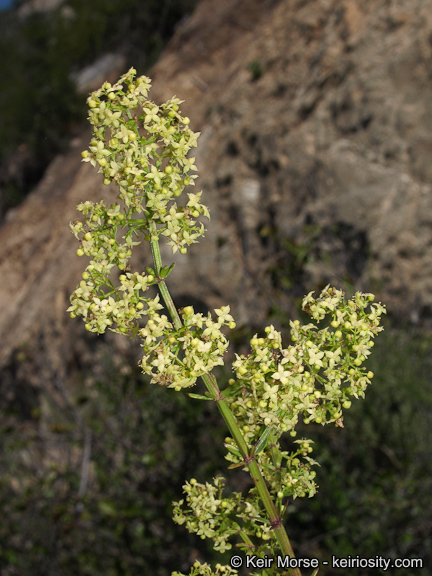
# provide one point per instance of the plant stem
(154, 244)
(257, 477)
(170, 304)
(212, 386)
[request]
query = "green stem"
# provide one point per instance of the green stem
(154, 244)
(170, 304)
(257, 477)
(212, 386)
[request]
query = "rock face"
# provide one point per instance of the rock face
(316, 131)
(316, 121)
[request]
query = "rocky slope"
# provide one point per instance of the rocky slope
(316, 132)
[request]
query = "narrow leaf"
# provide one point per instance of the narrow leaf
(166, 270)
(199, 397)
(236, 466)
(233, 450)
(232, 390)
(262, 442)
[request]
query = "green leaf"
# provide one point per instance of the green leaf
(134, 331)
(234, 450)
(262, 442)
(232, 390)
(199, 397)
(130, 124)
(166, 270)
(236, 465)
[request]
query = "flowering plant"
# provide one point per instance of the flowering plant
(144, 149)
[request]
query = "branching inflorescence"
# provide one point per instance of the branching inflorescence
(144, 149)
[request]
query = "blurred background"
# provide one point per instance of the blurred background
(314, 157)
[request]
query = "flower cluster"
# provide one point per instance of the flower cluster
(146, 155)
(206, 512)
(120, 309)
(289, 475)
(316, 375)
(176, 358)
